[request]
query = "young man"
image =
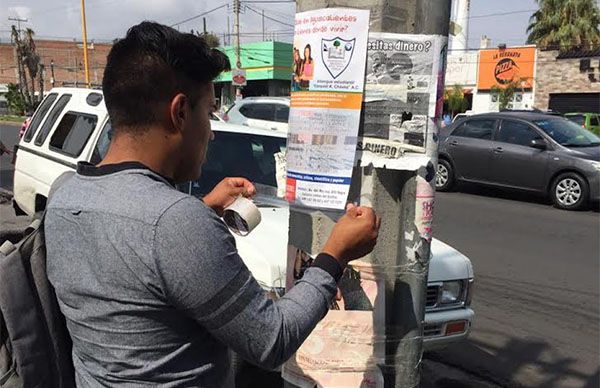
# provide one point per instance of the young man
(149, 278)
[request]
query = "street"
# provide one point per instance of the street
(537, 290)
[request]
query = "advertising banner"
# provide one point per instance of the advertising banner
(330, 48)
(500, 67)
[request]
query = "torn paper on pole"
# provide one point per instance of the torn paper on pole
(327, 90)
(404, 85)
(341, 351)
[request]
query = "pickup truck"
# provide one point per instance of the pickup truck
(72, 125)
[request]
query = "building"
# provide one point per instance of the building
(62, 60)
(568, 82)
(503, 67)
(268, 68)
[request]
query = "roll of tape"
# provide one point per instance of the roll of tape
(242, 216)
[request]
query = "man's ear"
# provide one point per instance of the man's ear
(178, 111)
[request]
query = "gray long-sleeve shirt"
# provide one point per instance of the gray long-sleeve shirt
(154, 291)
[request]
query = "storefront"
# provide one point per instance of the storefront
(500, 68)
(268, 68)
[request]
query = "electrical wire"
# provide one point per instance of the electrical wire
(269, 17)
(199, 15)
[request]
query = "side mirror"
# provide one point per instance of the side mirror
(540, 144)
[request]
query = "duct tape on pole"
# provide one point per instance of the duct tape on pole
(238, 77)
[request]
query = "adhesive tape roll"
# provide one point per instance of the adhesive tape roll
(242, 216)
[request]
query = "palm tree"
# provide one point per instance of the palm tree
(565, 24)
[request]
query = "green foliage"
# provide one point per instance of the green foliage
(506, 94)
(455, 99)
(565, 25)
(16, 101)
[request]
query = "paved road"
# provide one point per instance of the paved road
(9, 135)
(537, 288)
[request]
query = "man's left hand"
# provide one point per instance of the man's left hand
(227, 191)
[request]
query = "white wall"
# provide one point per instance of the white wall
(482, 102)
(461, 69)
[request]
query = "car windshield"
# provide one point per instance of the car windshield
(577, 119)
(567, 133)
(254, 157)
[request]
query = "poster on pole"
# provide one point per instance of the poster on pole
(330, 48)
(403, 97)
(238, 77)
(342, 350)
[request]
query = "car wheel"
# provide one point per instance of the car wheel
(444, 177)
(569, 191)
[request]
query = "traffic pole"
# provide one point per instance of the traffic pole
(393, 195)
(85, 48)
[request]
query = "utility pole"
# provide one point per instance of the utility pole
(393, 195)
(228, 33)
(85, 48)
(204, 24)
(238, 64)
(263, 25)
(52, 80)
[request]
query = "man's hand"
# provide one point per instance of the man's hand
(227, 191)
(354, 235)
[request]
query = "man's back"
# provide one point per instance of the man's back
(102, 260)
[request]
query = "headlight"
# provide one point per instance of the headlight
(452, 292)
(595, 164)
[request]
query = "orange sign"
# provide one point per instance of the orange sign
(500, 67)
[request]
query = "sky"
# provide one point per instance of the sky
(109, 19)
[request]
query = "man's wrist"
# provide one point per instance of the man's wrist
(329, 264)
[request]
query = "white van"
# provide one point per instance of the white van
(260, 112)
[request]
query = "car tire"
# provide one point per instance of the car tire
(570, 191)
(444, 177)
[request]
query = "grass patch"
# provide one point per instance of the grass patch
(12, 119)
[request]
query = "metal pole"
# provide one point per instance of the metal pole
(85, 48)
(204, 24)
(263, 25)
(392, 193)
(52, 72)
(238, 64)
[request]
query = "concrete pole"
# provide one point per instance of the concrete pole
(85, 46)
(392, 194)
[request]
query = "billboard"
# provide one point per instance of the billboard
(499, 67)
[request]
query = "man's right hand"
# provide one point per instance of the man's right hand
(354, 235)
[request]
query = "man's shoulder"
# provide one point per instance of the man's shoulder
(138, 196)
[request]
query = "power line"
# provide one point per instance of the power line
(200, 15)
(502, 14)
(270, 18)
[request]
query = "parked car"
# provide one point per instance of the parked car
(72, 125)
(589, 121)
(260, 112)
(526, 151)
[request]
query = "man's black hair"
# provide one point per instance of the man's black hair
(150, 66)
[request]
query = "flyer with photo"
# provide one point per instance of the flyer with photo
(329, 55)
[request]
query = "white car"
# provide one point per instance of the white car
(260, 112)
(72, 125)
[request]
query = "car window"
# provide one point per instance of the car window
(594, 121)
(578, 119)
(238, 154)
(567, 133)
(516, 132)
(52, 117)
(259, 111)
(476, 128)
(39, 116)
(72, 133)
(101, 147)
(282, 113)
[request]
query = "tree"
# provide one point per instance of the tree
(16, 100)
(565, 25)
(211, 39)
(29, 67)
(507, 93)
(455, 99)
